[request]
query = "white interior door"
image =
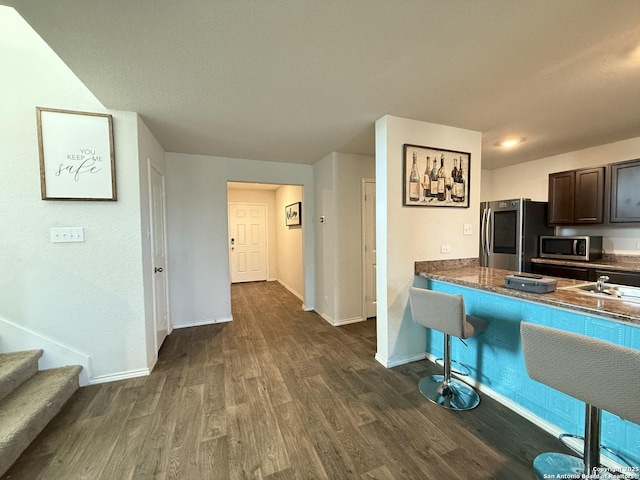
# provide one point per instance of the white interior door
(247, 242)
(158, 252)
(369, 248)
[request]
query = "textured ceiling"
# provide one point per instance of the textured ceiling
(292, 80)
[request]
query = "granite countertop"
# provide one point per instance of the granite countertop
(626, 263)
(468, 274)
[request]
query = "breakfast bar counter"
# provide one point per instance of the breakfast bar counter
(492, 280)
(495, 358)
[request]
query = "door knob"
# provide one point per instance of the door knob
(157, 270)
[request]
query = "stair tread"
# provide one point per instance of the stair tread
(16, 368)
(7, 358)
(37, 394)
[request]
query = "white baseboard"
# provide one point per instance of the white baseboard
(55, 354)
(291, 289)
(114, 377)
(153, 362)
(338, 323)
(325, 317)
(209, 321)
(307, 309)
(347, 321)
(399, 361)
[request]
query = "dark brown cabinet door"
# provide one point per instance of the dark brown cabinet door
(622, 278)
(561, 197)
(560, 271)
(625, 192)
(576, 196)
(589, 196)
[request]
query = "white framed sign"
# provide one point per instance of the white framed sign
(77, 161)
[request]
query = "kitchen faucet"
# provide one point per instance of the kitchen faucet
(600, 282)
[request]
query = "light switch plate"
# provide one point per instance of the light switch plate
(67, 234)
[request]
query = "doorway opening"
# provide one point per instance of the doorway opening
(261, 245)
(369, 249)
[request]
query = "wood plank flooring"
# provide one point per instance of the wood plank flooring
(277, 394)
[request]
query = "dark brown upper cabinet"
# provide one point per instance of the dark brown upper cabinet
(624, 206)
(576, 196)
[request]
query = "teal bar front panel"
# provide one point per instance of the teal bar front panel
(495, 360)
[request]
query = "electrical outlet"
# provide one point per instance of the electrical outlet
(468, 229)
(445, 249)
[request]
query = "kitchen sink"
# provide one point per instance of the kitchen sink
(609, 291)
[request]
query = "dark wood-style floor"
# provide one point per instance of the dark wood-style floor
(277, 394)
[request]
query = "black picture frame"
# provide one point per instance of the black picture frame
(293, 214)
(438, 191)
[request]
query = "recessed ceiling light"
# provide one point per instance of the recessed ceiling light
(511, 142)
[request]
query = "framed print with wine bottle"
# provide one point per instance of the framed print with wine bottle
(435, 177)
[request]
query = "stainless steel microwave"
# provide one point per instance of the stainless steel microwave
(581, 248)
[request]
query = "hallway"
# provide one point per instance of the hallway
(277, 394)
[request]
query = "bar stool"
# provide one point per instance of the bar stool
(445, 313)
(601, 374)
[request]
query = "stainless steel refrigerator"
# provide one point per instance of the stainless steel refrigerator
(510, 231)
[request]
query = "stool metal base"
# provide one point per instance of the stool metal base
(455, 395)
(559, 465)
(604, 450)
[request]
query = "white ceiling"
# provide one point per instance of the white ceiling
(292, 80)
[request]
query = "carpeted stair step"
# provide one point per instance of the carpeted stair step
(16, 368)
(26, 411)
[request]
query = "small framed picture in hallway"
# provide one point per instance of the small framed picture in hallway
(435, 177)
(293, 214)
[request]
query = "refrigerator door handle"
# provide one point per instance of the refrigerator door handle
(484, 216)
(488, 232)
(483, 227)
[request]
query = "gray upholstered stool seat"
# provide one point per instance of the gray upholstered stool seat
(601, 374)
(445, 313)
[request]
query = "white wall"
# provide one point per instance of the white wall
(324, 194)
(199, 281)
(530, 180)
(338, 179)
(290, 242)
(409, 234)
(86, 296)
(268, 198)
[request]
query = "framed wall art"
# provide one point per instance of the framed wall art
(77, 161)
(435, 177)
(293, 214)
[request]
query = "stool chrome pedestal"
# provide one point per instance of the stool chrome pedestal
(445, 313)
